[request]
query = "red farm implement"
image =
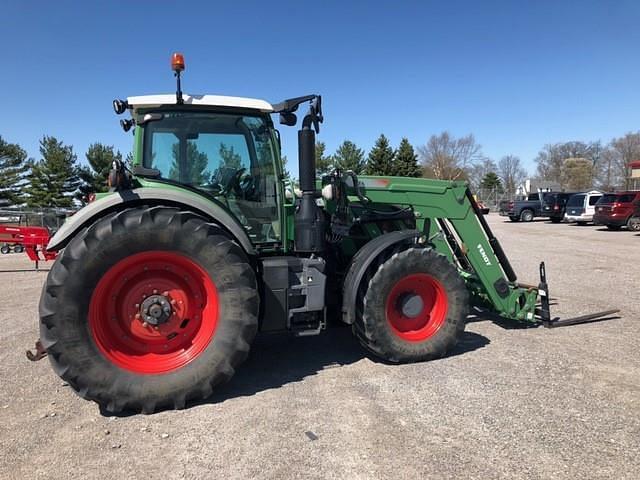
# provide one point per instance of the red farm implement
(29, 231)
(32, 240)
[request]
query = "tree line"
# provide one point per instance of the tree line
(573, 165)
(56, 179)
(383, 159)
(581, 165)
(443, 157)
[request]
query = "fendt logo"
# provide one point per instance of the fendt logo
(485, 257)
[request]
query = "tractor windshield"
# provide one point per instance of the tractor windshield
(229, 156)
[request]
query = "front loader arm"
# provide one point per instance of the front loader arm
(449, 217)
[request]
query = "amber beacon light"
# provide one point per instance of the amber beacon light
(177, 62)
(177, 65)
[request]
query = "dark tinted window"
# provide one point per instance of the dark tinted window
(534, 196)
(576, 201)
(607, 198)
(628, 197)
(593, 199)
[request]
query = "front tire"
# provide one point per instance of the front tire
(149, 308)
(413, 308)
(633, 224)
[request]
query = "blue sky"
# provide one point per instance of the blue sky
(515, 74)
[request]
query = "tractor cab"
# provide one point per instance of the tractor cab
(226, 150)
(222, 147)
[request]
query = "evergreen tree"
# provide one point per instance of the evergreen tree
(13, 167)
(194, 172)
(349, 157)
(406, 163)
(230, 158)
(381, 158)
(94, 177)
(491, 181)
(324, 163)
(53, 179)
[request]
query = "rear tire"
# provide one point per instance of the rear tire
(526, 216)
(18, 248)
(102, 282)
(5, 249)
(398, 332)
(633, 224)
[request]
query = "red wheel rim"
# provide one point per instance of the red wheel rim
(120, 331)
(429, 319)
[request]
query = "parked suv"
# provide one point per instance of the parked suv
(581, 207)
(554, 205)
(615, 209)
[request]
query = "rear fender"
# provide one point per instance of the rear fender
(362, 261)
(208, 208)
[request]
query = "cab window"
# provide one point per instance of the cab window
(228, 156)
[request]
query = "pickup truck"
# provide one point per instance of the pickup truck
(523, 209)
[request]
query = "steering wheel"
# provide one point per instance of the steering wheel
(234, 182)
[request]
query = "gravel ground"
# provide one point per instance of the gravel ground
(508, 403)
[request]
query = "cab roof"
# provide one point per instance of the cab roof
(151, 101)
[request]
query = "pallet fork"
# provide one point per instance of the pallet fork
(544, 312)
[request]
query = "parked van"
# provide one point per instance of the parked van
(582, 206)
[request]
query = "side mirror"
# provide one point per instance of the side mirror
(289, 119)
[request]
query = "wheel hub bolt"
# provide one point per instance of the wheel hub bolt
(155, 310)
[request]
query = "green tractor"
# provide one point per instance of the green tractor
(161, 285)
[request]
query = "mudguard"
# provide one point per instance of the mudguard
(152, 196)
(361, 262)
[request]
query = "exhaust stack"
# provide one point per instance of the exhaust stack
(309, 219)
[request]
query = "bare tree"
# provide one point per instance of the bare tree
(448, 158)
(608, 172)
(511, 173)
(551, 158)
(624, 150)
(480, 170)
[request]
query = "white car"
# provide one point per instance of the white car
(581, 207)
